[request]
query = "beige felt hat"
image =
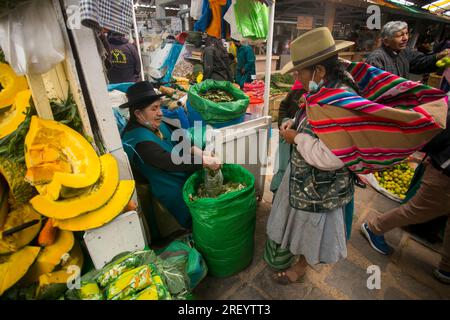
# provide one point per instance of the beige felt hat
(313, 47)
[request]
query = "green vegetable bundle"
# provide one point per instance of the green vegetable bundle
(217, 96)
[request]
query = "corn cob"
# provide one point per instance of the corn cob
(90, 291)
(115, 269)
(130, 283)
(156, 291)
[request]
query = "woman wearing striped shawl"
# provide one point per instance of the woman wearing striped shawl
(359, 119)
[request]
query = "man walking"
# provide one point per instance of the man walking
(432, 200)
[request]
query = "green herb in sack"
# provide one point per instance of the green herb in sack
(217, 96)
(228, 187)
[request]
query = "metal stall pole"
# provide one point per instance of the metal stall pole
(269, 59)
(136, 32)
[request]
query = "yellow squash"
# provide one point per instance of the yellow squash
(11, 84)
(22, 238)
(50, 257)
(19, 190)
(52, 143)
(103, 215)
(50, 284)
(11, 119)
(4, 205)
(13, 267)
(91, 200)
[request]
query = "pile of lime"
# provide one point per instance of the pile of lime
(443, 63)
(396, 180)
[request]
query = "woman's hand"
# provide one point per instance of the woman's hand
(287, 125)
(212, 163)
(289, 135)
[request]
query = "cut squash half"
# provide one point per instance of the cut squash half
(22, 238)
(50, 257)
(11, 84)
(52, 143)
(13, 267)
(103, 215)
(11, 119)
(91, 200)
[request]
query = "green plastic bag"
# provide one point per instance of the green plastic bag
(252, 19)
(223, 227)
(188, 260)
(213, 112)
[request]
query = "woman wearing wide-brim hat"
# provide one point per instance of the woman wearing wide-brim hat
(148, 143)
(308, 217)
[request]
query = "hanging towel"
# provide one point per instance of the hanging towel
(215, 27)
(112, 15)
(205, 18)
(196, 9)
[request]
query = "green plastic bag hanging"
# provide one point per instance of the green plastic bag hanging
(223, 227)
(252, 19)
(213, 112)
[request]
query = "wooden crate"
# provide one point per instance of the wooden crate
(434, 80)
(274, 105)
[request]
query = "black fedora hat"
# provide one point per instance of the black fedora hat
(140, 95)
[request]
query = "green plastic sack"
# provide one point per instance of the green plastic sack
(252, 19)
(213, 112)
(223, 227)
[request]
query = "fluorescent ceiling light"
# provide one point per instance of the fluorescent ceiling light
(404, 2)
(154, 7)
(438, 5)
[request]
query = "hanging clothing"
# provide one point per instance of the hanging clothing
(205, 18)
(111, 15)
(215, 27)
(246, 65)
(166, 179)
(196, 9)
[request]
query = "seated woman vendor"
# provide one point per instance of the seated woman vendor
(147, 141)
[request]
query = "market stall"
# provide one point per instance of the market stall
(69, 205)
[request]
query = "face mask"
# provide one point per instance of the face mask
(313, 86)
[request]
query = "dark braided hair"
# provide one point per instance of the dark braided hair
(335, 72)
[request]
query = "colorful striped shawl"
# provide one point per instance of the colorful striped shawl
(392, 118)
